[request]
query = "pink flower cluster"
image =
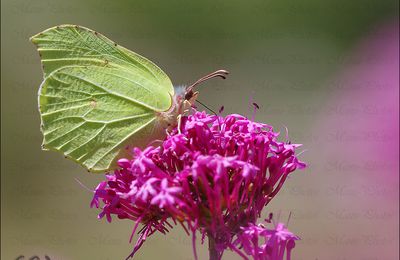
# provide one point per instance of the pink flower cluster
(213, 175)
(273, 245)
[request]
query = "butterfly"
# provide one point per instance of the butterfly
(97, 98)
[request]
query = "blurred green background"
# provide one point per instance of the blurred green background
(285, 54)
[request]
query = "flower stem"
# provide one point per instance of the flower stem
(213, 253)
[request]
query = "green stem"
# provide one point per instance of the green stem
(213, 253)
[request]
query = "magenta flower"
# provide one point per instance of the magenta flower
(275, 241)
(213, 175)
(166, 195)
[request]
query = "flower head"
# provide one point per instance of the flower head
(262, 243)
(214, 175)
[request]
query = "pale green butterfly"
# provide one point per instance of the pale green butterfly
(98, 97)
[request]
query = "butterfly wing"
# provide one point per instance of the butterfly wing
(96, 96)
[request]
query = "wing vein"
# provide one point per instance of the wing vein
(123, 140)
(111, 92)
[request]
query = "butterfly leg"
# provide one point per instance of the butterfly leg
(184, 110)
(179, 117)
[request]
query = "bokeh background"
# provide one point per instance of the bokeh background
(328, 70)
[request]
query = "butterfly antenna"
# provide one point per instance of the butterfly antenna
(218, 73)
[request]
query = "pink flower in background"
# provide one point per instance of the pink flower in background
(214, 175)
(355, 151)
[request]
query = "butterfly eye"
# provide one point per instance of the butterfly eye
(189, 94)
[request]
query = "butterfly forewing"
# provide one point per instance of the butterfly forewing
(97, 96)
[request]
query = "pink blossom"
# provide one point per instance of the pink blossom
(166, 196)
(262, 243)
(214, 175)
